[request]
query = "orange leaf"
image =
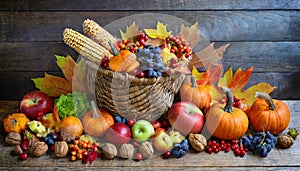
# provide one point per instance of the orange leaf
(240, 79)
(54, 86)
(237, 81)
(211, 75)
(190, 34)
(74, 74)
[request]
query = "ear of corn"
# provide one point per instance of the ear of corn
(97, 33)
(84, 45)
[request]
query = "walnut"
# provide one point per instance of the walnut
(61, 148)
(17, 149)
(126, 151)
(146, 149)
(197, 141)
(285, 141)
(38, 149)
(13, 138)
(109, 150)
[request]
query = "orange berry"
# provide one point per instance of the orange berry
(73, 153)
(76, 142)
(73, 158)
(79, 156)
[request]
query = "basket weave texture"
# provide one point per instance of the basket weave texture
(132, 97)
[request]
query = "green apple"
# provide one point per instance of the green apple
(142, 130)
(176, 136)
(162, 141)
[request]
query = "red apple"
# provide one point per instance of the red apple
(118, 134)
(186, 117)
(36, 102)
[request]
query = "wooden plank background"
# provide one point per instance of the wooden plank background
(265, 34)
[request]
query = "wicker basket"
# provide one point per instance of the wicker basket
(131, 97)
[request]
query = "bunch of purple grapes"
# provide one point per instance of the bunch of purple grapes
(151, 61)
(260, 143)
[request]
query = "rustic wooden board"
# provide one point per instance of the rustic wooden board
(265, 56)
(277, 159)
(19, 83)
(103, 5)
(215, 25)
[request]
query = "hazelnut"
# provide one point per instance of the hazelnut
(61, 148)
(146, 149)
(38, 149)
(197, 141)
(126, 151)
(13, 138)
(109, 150)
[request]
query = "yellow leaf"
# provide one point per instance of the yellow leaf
(167, 55)
(160, 31)
(226, 79)
(131, 32)
(249, 94)
(196, 74)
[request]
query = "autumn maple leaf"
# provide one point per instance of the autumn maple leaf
(74, 79)
(131, 32)
(238, 80)
(160, 32)
(190, 34)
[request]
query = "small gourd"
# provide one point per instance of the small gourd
(96, 121)
(125, 61)
(197, 94)
(70, 128)
(16, 122)
(267, 114)
(225, 121)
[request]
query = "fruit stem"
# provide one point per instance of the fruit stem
(228, 106)
(115, 51)
(95, 111)
(193, 80)
(267, 98)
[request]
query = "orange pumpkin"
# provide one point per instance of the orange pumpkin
(226, 122)
(125, 61)
(96, 122)
(267, 114)
(16, 122)
(70, 128)
(197, 94)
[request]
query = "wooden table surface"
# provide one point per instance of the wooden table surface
(278, 159)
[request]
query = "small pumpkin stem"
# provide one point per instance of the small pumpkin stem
(95, 111)
(228, 106)
(193, 80)
(267, 98)
(115, 51)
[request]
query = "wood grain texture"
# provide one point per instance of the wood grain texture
(265, 56)
(278, 159)
(215, 25)
(104, 5)
(18, 83)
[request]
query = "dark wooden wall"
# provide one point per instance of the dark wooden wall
(263, 33)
